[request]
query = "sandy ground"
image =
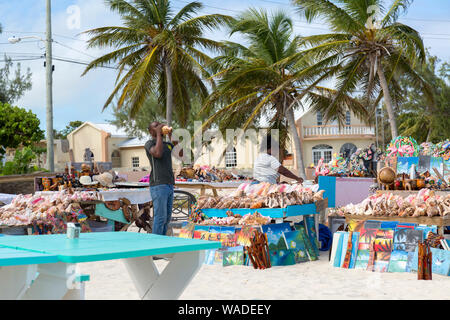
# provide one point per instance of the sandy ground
(310, 280)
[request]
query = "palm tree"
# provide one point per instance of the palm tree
(158, 51)
(268, 79)
(371, 53)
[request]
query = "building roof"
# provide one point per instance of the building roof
(134, 142)
(115, 132)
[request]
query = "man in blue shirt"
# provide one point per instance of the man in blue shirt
(162, 179)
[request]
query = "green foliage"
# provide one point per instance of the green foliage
(21, 163)
(153, 41)
(418, 117)
(13, 88)
(73, 125)
(365, 53)
(18, 127)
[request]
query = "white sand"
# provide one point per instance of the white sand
(310, 280)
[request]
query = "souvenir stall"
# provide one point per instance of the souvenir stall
(252, 223)
(98, 201)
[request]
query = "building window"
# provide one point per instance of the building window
(231, 159)
(115, 159)
(322, 151)
(347, 118)
(135, 162)
(347, 150)
(319, 118)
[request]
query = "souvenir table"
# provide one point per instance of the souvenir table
(214, 186)
(44, 267)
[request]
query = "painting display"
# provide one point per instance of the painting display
(288, 244)
(386, 247)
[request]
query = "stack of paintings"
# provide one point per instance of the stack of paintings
(288, 244)
(384, 247)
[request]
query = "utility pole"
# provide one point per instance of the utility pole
(49, 84)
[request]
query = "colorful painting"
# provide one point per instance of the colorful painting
(383, 249)
(404, 164)
(228, 239)
(200, 234)
(230, 230)
(201, 228)
(285, 257)
(407, 239)
(436, 163)
(372, 224)
(313, 256)
(336, 250)
(447, 170)
(209, 256)
(310, 223)
(355, 244)
(295, 241)
(345, 238)
(233, 256)
(274, 234)
(187, 231)
(424, 164)
(398, 261)
(426, 229)
(244, 235)
(366, 236)
(411, 264)
(385, 234)
(440, 264)
(355, 226)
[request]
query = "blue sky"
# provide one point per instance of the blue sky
(82, 98)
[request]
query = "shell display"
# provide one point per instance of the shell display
(262, 195)
(423, 204)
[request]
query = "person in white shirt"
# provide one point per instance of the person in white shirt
(267, 168)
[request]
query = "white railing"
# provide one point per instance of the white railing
(336, 131)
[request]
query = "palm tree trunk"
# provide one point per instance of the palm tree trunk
(388, 101)
(429, 134)
(169, 94)
(297, 143)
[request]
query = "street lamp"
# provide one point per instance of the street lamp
(49, 84)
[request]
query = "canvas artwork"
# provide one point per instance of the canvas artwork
(201, 228)
(295, 241)
(311, 232)
(230, 230)
(355, 243)
(284, 257)
(215, 229)
(404, 164)
(313, 256)
(228, 239)
(385, 233)
(334, 247)
(440, 264)
(233, 256)
(244, 235)
(436, 163)
(348, 252)
(398, 261)
(275, 235)
(187, 231)
(372, 224)
(426, 229)
(424, 164)
(355, 226)
(209, 256)
(447, 170)
(365, 240)
(406, 239)
(200, 234)
(389, 225)
(344, 248)
(383, 249)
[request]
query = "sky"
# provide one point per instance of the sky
(82, 98)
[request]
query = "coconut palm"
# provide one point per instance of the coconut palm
(268, 78)
(157, 51)
(371, 52)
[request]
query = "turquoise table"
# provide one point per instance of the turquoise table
(54, 257)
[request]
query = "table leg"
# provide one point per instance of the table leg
(214, 192)
(171, 282)
(55, 281)
(14, 281)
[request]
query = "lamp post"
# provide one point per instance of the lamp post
(49, 83)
